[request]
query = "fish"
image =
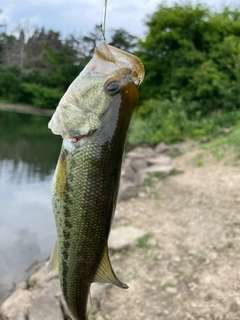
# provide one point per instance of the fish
(93, 118)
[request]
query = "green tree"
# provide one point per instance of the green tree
(10, 85)
(37, 67)
(121, 39)
(192, 60)
(193, 53)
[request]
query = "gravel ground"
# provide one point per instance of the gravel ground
(188, 266)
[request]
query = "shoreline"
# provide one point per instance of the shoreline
(26, 109)
(39, 296)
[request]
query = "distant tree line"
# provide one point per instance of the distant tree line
(38, 69)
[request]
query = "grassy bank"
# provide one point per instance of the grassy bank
(171, 121)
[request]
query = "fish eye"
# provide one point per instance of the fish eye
(113, 87)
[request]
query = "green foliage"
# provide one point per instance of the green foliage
(148, 182)
(234, 137)
(213, 125)
(169, 121)
(144, 241)
(198, 160)
(159, 121)
(192, 61)
(9, 84)
(41, 96)
(123, 40)
(196, 53)
(39, 68)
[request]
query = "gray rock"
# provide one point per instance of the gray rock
(124, 236)
(161, 147)
(21, 285)
(45, 305)
(160, 160)
(17, 303)
(98, 292)
(135, 155)
(127, 190)
(141, 153)
(174, 151)
(172, 290)
(140, 177)
(39, 278)
(128, 174)
(138, 164)
(20, 316)
(159, 169)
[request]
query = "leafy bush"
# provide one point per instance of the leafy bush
(10, 84)
(41, 96)
(168, 121)
(196, 53)
(234, 137)
(163, 121)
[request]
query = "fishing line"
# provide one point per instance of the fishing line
(105, 19)
(103, 25)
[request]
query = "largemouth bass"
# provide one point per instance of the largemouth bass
(93, 118)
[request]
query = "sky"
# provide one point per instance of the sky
(79, 17)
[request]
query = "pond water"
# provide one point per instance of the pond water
(28, 157)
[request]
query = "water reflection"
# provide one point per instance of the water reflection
(28, 155)
(19, 172)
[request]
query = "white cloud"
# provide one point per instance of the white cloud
(77, 16)
(80, 16)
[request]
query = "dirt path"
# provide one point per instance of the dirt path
(189, 265)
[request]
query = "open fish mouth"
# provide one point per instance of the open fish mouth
(79, 111)
(108, 58)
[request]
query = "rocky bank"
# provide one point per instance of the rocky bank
(40, 296)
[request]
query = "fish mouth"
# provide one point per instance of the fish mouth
(71, 144)
(107, 59)
(74, 119)
(77, 138)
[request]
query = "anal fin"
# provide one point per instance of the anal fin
(53, 262)
(105, 272)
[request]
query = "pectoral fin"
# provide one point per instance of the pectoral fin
(60, 177)
(53, 262)
(105, 272)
